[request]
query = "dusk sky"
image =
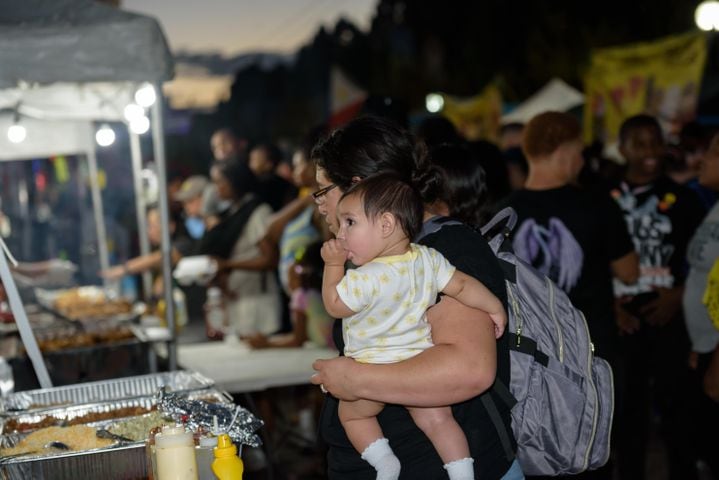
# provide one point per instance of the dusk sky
(240, 26)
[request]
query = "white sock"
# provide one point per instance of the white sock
(460, 469)
(379, 454)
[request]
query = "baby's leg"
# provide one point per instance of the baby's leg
(359, 419)
(448, 439)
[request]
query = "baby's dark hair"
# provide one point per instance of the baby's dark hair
(312, 266)
(387, 192)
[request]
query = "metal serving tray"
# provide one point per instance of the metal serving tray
(105, 390)
(127, 461)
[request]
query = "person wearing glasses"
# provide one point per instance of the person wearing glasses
(465, 359)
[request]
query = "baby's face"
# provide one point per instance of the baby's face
(360, 236)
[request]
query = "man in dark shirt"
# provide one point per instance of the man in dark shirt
(576, 237)
(661, 216)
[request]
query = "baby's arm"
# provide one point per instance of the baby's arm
(473, 293)
(334, 256)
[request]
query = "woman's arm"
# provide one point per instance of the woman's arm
(461, 365)
(266, 260)
(280, 219)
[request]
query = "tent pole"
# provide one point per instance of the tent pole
(98, 210)
(158, 137)
(136, 152)
(23, 325)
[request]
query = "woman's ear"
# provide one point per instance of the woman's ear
(388, 223)
(356, 179)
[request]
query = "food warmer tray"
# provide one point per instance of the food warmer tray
(105, 390)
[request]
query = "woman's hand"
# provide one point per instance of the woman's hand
(114, 273)
(333, 253)
(336, 375)
(257, 340)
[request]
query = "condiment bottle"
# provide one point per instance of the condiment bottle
(227, 465)
(205, 453)
(215, 320)
(175, 454)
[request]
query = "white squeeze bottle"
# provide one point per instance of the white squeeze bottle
(175, 454)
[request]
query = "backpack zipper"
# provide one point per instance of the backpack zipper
(590, 379)
(517, 315)
(554, 318)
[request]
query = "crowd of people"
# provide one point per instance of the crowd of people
(633, 243)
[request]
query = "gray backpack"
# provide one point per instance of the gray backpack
(561, 396)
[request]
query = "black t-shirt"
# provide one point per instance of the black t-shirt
(662, 217)
(469, 252)
(572, 235)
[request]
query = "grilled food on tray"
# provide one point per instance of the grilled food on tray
(89, 302)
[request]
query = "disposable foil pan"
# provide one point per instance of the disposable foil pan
(105, 390)
(91, 413)
(127, 461)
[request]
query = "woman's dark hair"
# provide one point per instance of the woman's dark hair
(365, 146)
(387, 192)
(456, 177)
(239, 175)
(312, 266)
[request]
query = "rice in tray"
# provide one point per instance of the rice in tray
(77, 437)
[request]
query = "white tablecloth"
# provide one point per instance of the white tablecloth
(236, 369)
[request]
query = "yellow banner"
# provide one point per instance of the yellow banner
(476, 118)
(660, 78)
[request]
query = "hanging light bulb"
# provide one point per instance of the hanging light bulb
(16, 133)
(105, 136)
(145, 96)
(133, 111)
(706, 15)
(140, 125)
(434, 102)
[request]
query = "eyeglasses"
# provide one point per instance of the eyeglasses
(323, 191)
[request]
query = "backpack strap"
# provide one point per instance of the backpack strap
(433, 225)
(507, 215)
(496, 418)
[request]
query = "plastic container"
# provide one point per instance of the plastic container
(175, 454)
(215, 319)
(205, 453)
(227, 465)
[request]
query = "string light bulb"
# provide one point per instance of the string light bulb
(105, 136)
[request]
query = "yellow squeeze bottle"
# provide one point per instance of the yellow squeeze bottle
(227, 465)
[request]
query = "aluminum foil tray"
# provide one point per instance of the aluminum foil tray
(127, 461)
(105, 390)
(91, 413)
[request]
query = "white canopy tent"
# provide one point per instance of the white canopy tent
(555, 95)
(65, 65)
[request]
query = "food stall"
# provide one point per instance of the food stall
(66, 65)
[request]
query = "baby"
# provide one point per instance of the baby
(383, 303)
